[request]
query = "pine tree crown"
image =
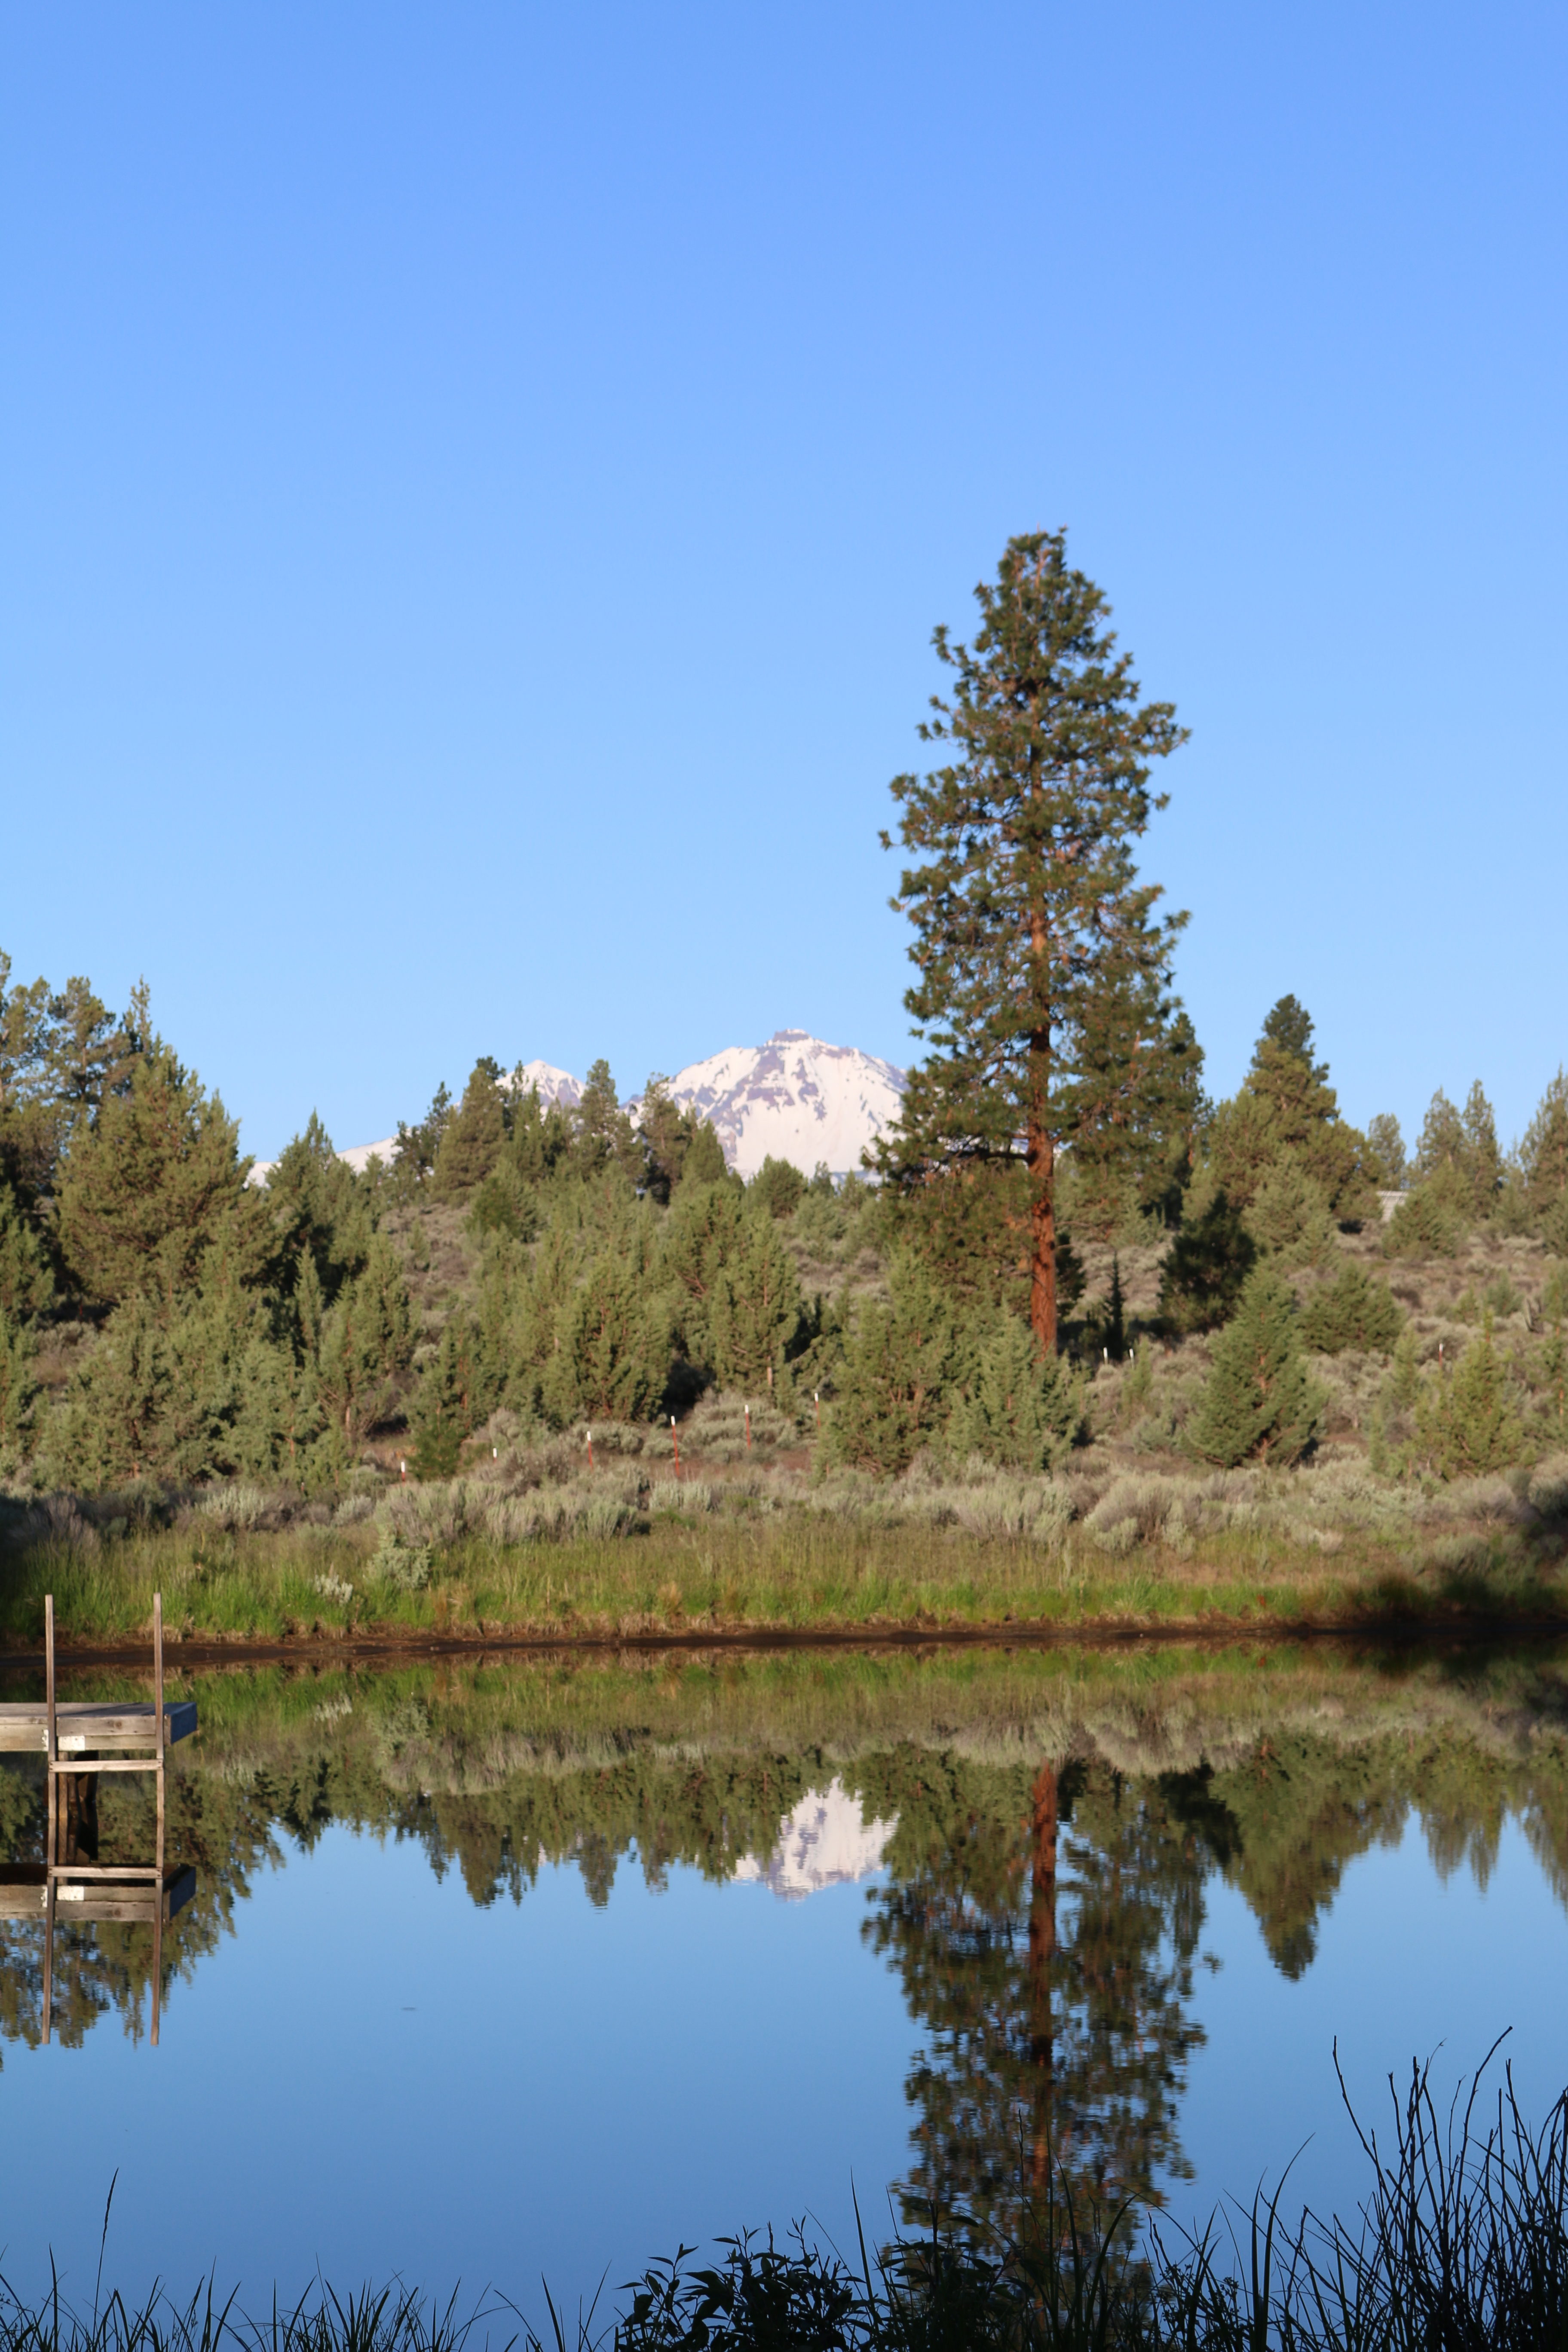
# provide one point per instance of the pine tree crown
(1030, 919)
(1288, 1027)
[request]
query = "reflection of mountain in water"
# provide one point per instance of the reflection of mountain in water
(825, 1841)
(1046, 1833)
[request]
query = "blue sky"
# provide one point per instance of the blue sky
(479, 483)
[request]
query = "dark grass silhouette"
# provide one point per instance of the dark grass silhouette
(1460, 2245)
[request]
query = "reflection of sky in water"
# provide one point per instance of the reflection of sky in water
(1405, 1962)
(378, 2074)
(375, 2072)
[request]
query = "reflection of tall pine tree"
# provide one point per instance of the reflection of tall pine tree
(1045, 1822)
(1046, 1946)
(1043, 1924)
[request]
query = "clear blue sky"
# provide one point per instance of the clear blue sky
(479, 483)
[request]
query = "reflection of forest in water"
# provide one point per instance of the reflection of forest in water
(1057, 1822)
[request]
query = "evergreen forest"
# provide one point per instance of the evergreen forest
(1265, 1286)
(1072, 1302)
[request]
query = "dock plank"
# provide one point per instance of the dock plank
(23, 1725)
(24, 1894)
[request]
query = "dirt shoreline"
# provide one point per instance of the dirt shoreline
(390, 1647)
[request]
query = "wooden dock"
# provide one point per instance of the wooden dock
(80, 1743)
(25, 1895)
(88, 1731)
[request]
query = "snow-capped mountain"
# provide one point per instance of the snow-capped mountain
(554, 1085)
(827, 1841)
(795, 1098)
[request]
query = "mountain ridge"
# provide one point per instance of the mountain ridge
(794, 1098)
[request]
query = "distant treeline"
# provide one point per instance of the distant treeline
(162, 1318)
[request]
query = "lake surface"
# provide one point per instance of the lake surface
(535, 1969)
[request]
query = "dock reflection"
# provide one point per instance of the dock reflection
(82, 1743)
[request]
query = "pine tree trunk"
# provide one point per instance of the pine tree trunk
(1043, 1239)
(1042, 1950)
(1040, 1155)
(1042, 1906)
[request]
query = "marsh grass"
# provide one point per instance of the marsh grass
(388, 2319)
(531, 1542)
(1460, 2245)
(694, 1570)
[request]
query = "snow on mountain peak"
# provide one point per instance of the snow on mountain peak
(554, 1085)
(825, 1841)
(795, 1098)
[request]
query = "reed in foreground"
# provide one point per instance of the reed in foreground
(1461, 2244)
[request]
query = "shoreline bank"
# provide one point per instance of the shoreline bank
(396, 1646)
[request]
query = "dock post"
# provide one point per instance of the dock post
(158, 1728)
(51, 1829)
(157, 1710)
(49, 1774)
(49, 1951)
(157, 1943)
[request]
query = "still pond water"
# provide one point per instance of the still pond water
(535, 1969)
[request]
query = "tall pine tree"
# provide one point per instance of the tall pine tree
(1035, 941)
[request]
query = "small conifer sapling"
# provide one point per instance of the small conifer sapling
(1260, 1403)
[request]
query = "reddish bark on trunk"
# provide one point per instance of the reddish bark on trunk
(1042, 1950)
